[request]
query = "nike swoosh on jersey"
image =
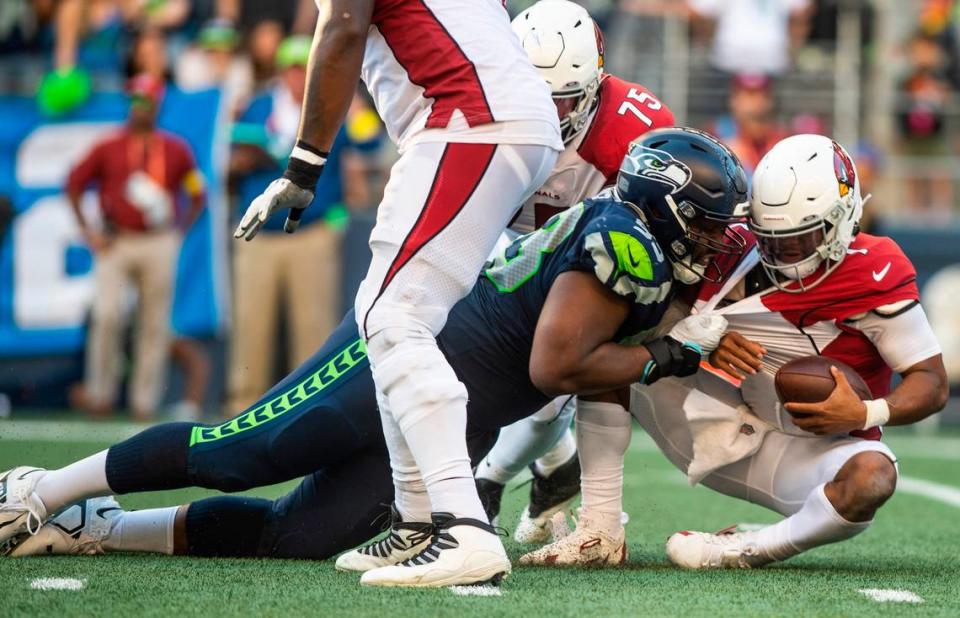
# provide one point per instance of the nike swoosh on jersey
(635, 263)
(878, 276)
(107, 509)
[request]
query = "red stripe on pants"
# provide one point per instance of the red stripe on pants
(459, 172)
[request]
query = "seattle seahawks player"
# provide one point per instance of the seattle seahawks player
(600, 115)
(556, 312)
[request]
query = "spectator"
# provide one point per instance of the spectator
(925, 95)
(148, 54)
(751, 129)
(212, 63)
(636, 41)
(140, 172)
(299, 273)
(262, 44)
(754, 36)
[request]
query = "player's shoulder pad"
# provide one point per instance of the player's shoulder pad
(624, 111)
(617, 247)
(878, 262)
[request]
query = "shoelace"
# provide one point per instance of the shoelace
(22, 504)
(393, 541)
(441, 540)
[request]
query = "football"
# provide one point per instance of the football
(808, 380)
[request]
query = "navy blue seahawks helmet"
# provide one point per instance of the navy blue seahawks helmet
(690, 188)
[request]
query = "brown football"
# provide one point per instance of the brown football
(808, 380)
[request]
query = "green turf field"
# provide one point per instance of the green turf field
(913, 547)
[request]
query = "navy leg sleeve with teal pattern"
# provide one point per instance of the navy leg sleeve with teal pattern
(320, 415)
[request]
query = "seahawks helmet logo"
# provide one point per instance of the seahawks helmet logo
(658, 166)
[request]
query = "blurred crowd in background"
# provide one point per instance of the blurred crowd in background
(881, 76)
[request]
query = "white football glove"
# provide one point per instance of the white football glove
(704, 329)
(281, 193)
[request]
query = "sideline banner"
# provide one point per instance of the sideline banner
(46, 282)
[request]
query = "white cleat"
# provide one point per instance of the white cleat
(461, 552)
(78, 529)
(22, 513)
(591, 544)
(724, 550)
(405, 540)
(549, 495)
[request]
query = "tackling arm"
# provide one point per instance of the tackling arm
(572, 348)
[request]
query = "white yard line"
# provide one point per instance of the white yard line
(476, 591)
(883, 595)
(928, 489)
(66, 431)
(58, 583)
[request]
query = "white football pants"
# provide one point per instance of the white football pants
(442, 212)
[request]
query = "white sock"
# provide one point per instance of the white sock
(523, 442)
(445, 464)
(150, 530)
(409, 493)
(562, 451)
(603, 435)
(428, 404)
(816, 523)
(86, 478)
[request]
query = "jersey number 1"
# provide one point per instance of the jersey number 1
(644, 98)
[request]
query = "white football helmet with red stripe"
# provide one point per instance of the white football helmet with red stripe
(566, 47)
(805, 209)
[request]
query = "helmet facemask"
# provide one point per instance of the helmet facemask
(574, 107)
(791, 257)
(694, 239)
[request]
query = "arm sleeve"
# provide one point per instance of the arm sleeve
(903, 336)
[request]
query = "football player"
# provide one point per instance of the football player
(821, 288)
(477, 134)
(549, 315)
(600, 114)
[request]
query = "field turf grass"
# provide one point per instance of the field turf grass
(913, 546)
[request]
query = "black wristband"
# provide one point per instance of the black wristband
(305, 166)
(669, 357)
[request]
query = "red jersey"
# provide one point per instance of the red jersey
(114, 162)
(591, 161)
(793, 325)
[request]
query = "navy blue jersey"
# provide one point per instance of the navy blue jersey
(490, 332)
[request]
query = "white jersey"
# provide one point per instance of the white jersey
(454, 71)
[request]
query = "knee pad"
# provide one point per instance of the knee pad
(227, 526)
(414, 376)
(152, 460)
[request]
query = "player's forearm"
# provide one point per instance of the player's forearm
(609, 366)
(334, 69)
(923, 392)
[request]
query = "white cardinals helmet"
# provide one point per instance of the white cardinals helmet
(805, 209)
(565, 45)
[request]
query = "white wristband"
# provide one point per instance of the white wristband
(308, 157)
(878, 413)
